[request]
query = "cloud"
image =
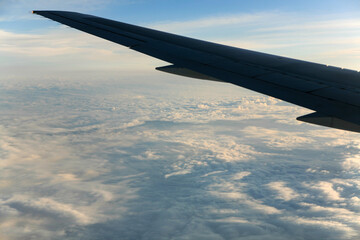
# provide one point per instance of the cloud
(47, 205)
(248, 202)
(131, 158)
(65, 50)
(284, 193)
(319, 25)
(241, 175)
(59, 42)
(352, 163)
(213, 22)
(338, 229)
(327, 190)
(336, 213)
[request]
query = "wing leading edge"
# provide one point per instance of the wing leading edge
(333, 93)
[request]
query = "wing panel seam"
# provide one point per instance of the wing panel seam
(122, 35)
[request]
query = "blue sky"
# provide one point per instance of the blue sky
(320, 31)
(138, 11)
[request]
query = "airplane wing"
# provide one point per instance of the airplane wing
(332, 93)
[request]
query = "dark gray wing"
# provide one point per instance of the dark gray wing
(333, 93)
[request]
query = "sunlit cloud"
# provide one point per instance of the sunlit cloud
(352, 163)
(338, 229)
(283, 191)
(81, 158)
(328, 191)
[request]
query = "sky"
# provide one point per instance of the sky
(96, 144)
(319, 31)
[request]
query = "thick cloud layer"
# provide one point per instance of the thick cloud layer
(161, 160)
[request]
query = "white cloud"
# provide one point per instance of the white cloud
(68, 176)
(62, 41)
(327, 190)
(240, 175)
(318, 25)
(285, 193)
(277, 138)
(352, 163)
(247, 201)
(48, 204)
(181, 172)
(232, 220)
(233, 192)
(66, 50)
(337, 214)
(346, 232)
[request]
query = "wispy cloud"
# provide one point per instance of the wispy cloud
(239, 20)
(64, 49)
(331, 39)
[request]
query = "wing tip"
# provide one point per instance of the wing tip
(44, 11)
(36, 11)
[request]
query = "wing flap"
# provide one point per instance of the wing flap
(327, 121)
(181, 71)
